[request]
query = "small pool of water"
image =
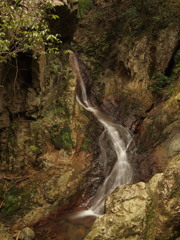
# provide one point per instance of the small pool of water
(65, 227)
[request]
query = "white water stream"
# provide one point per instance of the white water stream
(120, 137)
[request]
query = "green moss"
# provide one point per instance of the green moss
(66, 138)
(16, 200)
(87, 143)
(149, 231)
(61, 138)
(84, 7)
(158, 82)
(170, 91)
(175, 192)
(34, 149)
(12, 204)
(149, 215)
(60, 111)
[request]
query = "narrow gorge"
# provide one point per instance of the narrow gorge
(90, 120)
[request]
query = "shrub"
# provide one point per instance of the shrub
(84, 7)
(61, 138)
(24, 27)
(158, 81)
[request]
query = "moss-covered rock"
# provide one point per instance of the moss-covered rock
(16, 200)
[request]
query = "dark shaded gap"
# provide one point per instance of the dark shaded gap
(169, 70)
(24, 61)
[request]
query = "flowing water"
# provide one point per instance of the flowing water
(76, 224)
(120, 137)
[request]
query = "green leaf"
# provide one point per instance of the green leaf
(54, 16)
(67, 51)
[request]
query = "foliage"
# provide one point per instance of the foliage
(84, 7)
(147, 16)
(131, 19)
(67, 51)
(15, 199)
(66, 138)
(175, 192)
(158, 81)
(24, 27)
(108, 26)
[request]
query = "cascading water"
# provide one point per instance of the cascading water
(76, 223)
(120, 137)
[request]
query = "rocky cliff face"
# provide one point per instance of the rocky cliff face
(45, 153)
(135, 73)
(49, 143)
(134, 64)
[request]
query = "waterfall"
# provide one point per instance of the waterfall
(120, 137)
